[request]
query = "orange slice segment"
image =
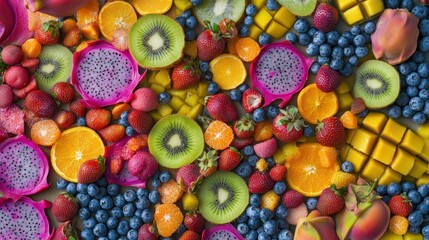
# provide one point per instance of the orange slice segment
(228, 71)
(87, 14)
(247, 49)
(314, 105)
(144, 7)
(168, 218)
(74, 147)
(45, 132)
(218, 135)
(116, 15)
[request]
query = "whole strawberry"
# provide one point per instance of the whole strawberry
(278, 172)
(260, 182)
(222, 108)
(244, 128)
(65, 207)
(48, 33)
(194, 222)
(147, 232)
(72, 38)
(400, 205)
(98, 118)
(141, 121)
(325, 18)
(185, 74)
(63, 92)
(327, 79)
(292, 199)
(251, 100)
(331, 201)
(112, 133)
(91, 170)
(229, 159)
(41, 104)
(188, 176)
(210, 43)
(288, 126)
(65, 119)
(65, 231)
(77, 108)
(116, 165)
(331, 132)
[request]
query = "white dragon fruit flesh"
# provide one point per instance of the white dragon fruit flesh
(279, 71)
(24, 167)
(222, 232)
(104, 75)
(24, 219)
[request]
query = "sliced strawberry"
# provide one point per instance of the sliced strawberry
(251, 100)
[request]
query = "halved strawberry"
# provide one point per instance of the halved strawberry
(251, 100)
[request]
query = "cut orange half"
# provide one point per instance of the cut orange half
(116, 15)
(228, 71)
(144, 7)
(218, 135)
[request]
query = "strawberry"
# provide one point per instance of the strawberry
(65, 119)
(65, 207)
(325, 18)
(400, 205)
(194, 222)
(91, 170)
(331, 201)
(77, 108)
(185, 74)
(208, 162)
(210, 43)
(147, 232)
(327, 79)
(266, 149)
(98, 118)
(229, 159)
(260, 182)
(190, 235)
(331, 132)
(278, 172)
(241, 143)
(358, 106)
(72, 38)
(288, 126)
(112, 133)
(48, 33)
(222, 108)
(41, 104)
(65, 231)
(188, 176)
(63, 92)
(141, 121)
(251, 100)
(244, 128)
(227, 28)
(116, 165)
(292, 199)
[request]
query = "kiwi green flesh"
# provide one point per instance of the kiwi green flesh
(299, 7)
(216, 10)
(377, 83)
(175, 141)
(55, 65)
(156, 41)
(223, 196)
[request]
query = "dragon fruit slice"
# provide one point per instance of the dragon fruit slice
(279, 71)
(24, 167)
(104, 75)
(124, 177)
(222, 232)
(24, 219)
(13, 22)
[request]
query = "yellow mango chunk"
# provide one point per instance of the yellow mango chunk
(259, 3)
(373, 170)
(350, 133)
(412, 142)
(423, 130)
(390, 176)
(375, 121)
(163, 78)
(155, 115)
(419, 168)
(393, 131)
(164, 109)
(372, 7)
(190, 48)
(345, 4)
(255, 31)
(343, 152)
(357, 158)
(270, 200)
(182, 5)
(276, 30)
(157, 88)
(192, 98)
(176, 103)
(364, 141)
(284, 17)
(425, 151)
(402, 162)
(388, 235)
(383, 151)
(178, 93)
(345, 101)
(195, 111)
(184, 109)
(412, 236)
(343, 88)
(353, 15)
(202, 89)
(423, 180)
(263, 18)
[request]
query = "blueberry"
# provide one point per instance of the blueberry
(271, 162)
(359, 40)
(124, 115)
(89, 223)
(129, 209)
(408, 186)
(264, 38)
(420, 11)
(343, 41)
(319, 38)
(81, 121)
(312, 31)
(242, 228)
(369, 27)
(213, 88)
(83, 199)
(353, 60)
(181, 229)
(119, 201)
(402, 99)
(258, 115)
(281, 211)
(252, 211)
(155, 183)
(291, 37)
(325, 50)
(414, 229)
(272, 111)
(244, 31)
(312, 49)
(123, 227)
(196, 2)
(204, 66)
(251, 10)
(415, 218)
(416, 104)
(270, 227)
(106, 202)
(142, 203)
(81, 188)
(332, 37)
(248, 150)
(252, 235)
(361, 51)
(381, 189)
(413, 79)
(349, 51)
(112, 222)
(255, 200)
(208, 76)
(424, 94)
(124, 122)
(424, 44)
(412, 91)
(404, 68)
(135, 222)
(243, 87)
(87, 234)
(386, 199)
(425, 231)
(423, 70)
(395, 111)
(71, 188)
(347, 167)
(164, 98)
(392, 3)
(336, 63)
(244, 169)
(393, 189)
(130, 195)
(242, 218)
(419, 118)
(252, 160)
(61, 184)
(347, 69)
(304, 39)
(154, 197)
(407, 112)
(84, 213)
(190, 35)
(423, 190)
(187, 13)
(308, 131)
(315, 68)
(101, 216)
(254, 222)
(116, 212)
(93, 190)
(272, 5)
(424, 28)
(102, 193)
(235, 95)
(265, 214)
(285, 234)
(132, 234)
(147, 216)
(337, 52)
(301, 25)
(414, 196)
(355, 30)
(426, 108)
(129, 131)
(279, 187)
(248, 21)
(363, 113)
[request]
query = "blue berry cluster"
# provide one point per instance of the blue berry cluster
(123, 120)
(413, 99)
(189, 23)
(251, 11)
(341, 51)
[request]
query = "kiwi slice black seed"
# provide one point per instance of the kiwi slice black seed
(156, 41)
(175, 141)
(377, 83)
(216, 10)
(223, 196)
(299, 7)
(55, 65)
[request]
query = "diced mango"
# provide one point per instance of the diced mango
(423, 130)
(202, 89)
(270, 200)
(184, 109)
(276, 30)
(178, 93)
(343, 152)
(350, 134)
(157, 88)
(357, 158)
(345, 4)
(345, 101)
(372, 7)
(195, 111)
(353, 15)
(420, 167)
(163, 78)
(164, 109)
(259, 3)
(364, 141)
(192, 98)
(393, 131)
(390, 176)
(255, 31)
(191, 49)
(402, 162)
(412, 236)
(425, 151)
(412, 142)
(383, 151)
(269, 11)
(182, 5)
(150, 77)
(343, 88)
(373, 170)
(263, 18)
(375, 121)
(156, 116)
(388, 235)
(284, 17)
(423, 180)
(176, 103)
(279, 156)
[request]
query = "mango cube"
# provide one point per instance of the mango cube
(412, 142)
(345, 101)
(372, 7)
(419, 168)
(393, 131)
(163, 78)
(412, 236)
(182, 5)
(157, 88)
(383, 151)
(402, 162)
(343, 88)
(155, 115)
(390, 176)
(357, 158)
(343, 152)
(164, 109)
(192, 98)
(195, 111)
(425, 151)
(375, 122)
(388, 235)
(373, 170)
(150, 77)
(353, 15)
(178, 93)
(423, 130)
(364, 141)
(259, 3)
(423, 180)
(284, 17)
(255, 31)
(184, 109)
(263, 18)
(176, 103)
(345, 4)
(190, 49)
(350, 133)
(202, 89)
(276, 30)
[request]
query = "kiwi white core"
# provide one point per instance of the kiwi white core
(48, 68)
(223, 195)
(175, 141)
(156, 41)
(220, 6)
(374, 83)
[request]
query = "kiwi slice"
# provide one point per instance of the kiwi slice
(299, 7)
(156, 41)
(223, 196)
(216, 10)
(377, 83)
(175, 141)
(55, 65)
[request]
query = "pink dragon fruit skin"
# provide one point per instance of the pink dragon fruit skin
(279, 71)
(24, 167)
(56, 8)
(395, 38)
(13, 22)
(24, 219)
(104, 75)
(221, 232)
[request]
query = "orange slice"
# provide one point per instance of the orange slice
(116, 15)
(74, 147)
(218, 135)
(315, 105)
(247, 49)
(305, 173)
(87, 14)
(45, 132)
(144, 7)
(168, 218)
(228, 71)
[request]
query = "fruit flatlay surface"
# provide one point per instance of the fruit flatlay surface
(199, 119)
